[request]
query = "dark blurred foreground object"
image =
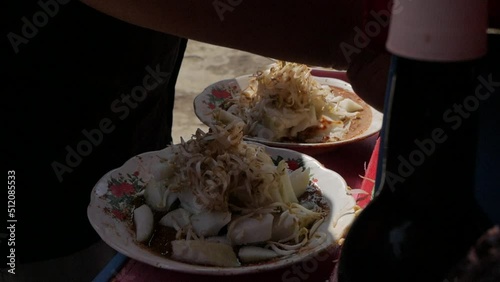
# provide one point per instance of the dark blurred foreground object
(84, 92)
(482, 263)
(426, 213)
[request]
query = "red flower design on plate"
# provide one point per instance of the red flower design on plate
(118, 214)
(122, 189)
(211, 106)
(293, 164)
(221, 94)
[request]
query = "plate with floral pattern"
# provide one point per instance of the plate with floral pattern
(112, 199)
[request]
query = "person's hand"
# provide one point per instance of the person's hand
(368, 75)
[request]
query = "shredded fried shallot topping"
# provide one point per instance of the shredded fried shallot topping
(286, 103)
(222, 171)
(219, 172)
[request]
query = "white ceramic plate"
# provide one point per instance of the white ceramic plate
(110, 211)
(214, 96)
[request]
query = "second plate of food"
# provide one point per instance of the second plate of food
(285, 106)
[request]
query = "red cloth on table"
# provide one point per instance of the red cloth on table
(368, 182)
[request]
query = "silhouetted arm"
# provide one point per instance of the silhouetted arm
(309, 32)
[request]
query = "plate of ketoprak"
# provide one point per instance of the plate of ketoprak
(284, 106)
(220, 205)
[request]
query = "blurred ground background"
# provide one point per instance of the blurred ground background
(203, 65)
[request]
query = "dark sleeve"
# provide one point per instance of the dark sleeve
(83, 92)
